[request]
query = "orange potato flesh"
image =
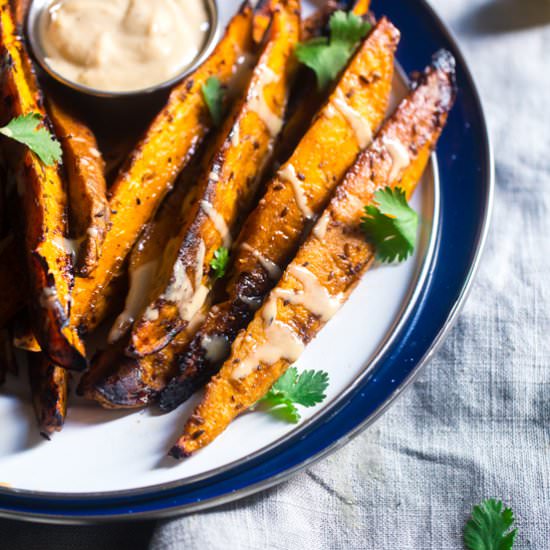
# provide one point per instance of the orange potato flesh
(44, 206)
(167, 147)
(336, 259)
(275, 227)
(227, 185)
(88, 204)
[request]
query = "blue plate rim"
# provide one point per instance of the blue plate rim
(29, 500)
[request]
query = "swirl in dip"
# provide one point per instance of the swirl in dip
(122, 45)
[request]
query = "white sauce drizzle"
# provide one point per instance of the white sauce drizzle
(48, 298)
(288, 173)
(359, 125)
(181, 292)
(213, 176)
(314, 296)
(218, 221)
(190, 309)
(258, 104)
(216, 348)
(400, 157)
(236, 135)
(280, 342)
(69, 246)
(180, 288)
(320, 229)
(273, 270)
(141, 280)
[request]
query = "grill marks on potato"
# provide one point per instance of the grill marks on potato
(166, 148)
(336, 262)
(44, 206)
(227, 187)
(317, 170)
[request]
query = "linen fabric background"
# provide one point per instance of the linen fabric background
(475, 424)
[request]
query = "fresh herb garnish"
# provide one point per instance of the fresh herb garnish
(27, 129)
(328, 56)
(213, 94)
(219, 262)
(489, 527)
(391, 225)
(306, 389)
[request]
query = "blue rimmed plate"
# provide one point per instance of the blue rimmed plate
(107, 465)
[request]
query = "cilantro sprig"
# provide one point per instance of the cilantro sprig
(213, 94)
(489, 527)
(328, 56)
(28, 130)
(391, 225)
(219, 262)
(306, 389)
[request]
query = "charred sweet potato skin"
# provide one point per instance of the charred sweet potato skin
(229, 182)
(13, 278)
(85, 168)
(337, 258)
(149, 174)
(44, 205)
(8, 362)
(275, 227)
(49, 388)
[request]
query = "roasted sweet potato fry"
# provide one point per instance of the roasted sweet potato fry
(329, 264)
(44, 203)
(89, 207)
(226, 188)
(307, 99)
(167, 147)
(295, 196)
(49, 388)
(115, 380)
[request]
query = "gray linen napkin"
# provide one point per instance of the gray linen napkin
(476, 422)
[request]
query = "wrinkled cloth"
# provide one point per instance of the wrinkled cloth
(475, 423)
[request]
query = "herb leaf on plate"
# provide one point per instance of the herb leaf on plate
(27, 129)
(219, 262)
(328, 56)
(306, 389)
(391, 225)
(213, 93)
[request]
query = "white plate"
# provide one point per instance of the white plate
(103, 451)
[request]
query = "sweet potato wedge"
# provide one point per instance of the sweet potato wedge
(85, 168)
(307, 99)
(118, 381)
(300, 191)
(328, 265)
(13, 277)
(226, 188)
(114, 379)
(44, 203)
(49, 387)
(167, 147)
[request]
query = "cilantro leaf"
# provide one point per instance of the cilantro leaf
(306, 389)
(489, 527)
(213, 96)
(392, 225)
(347, 28)
(327, 57)
(220, 262)
(27, 129)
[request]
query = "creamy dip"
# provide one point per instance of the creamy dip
(122, 45)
